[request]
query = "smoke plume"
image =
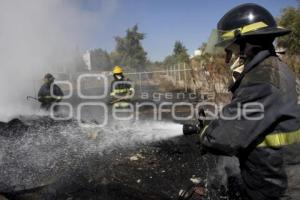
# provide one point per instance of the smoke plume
(39, 36)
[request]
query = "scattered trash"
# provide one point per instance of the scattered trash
(195, 180)
(136, 157)
(93, 135)
(195, 192)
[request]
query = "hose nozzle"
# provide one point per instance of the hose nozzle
(190, 129)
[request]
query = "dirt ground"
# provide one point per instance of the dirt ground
(148, 171)
(156, 171)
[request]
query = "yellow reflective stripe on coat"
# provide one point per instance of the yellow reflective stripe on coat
(116, 91)
(203, 130)
(121, 105)
(281, 139)
(245, 29)
(51, 97)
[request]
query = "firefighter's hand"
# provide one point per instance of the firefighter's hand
(131, 92)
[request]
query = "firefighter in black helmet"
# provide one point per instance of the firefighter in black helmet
(266, 141)
(45, 96)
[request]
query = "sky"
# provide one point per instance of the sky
(163, 21)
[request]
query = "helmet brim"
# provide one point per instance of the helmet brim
(272, 32)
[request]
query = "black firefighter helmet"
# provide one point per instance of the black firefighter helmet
(49, 78)
(247, 21)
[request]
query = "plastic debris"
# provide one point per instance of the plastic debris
(195, 180)
(136, 157)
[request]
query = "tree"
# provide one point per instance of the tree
(290, 19)
(129, 51)
(180, 53)
(170, 60)
(100, 59)
(203, 46)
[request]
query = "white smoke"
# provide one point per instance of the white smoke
(37, 35)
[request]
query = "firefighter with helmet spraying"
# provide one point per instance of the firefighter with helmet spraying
(267, 144)
(45, 96)
(122, 89)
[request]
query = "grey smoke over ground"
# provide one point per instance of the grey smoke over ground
(37, 36)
